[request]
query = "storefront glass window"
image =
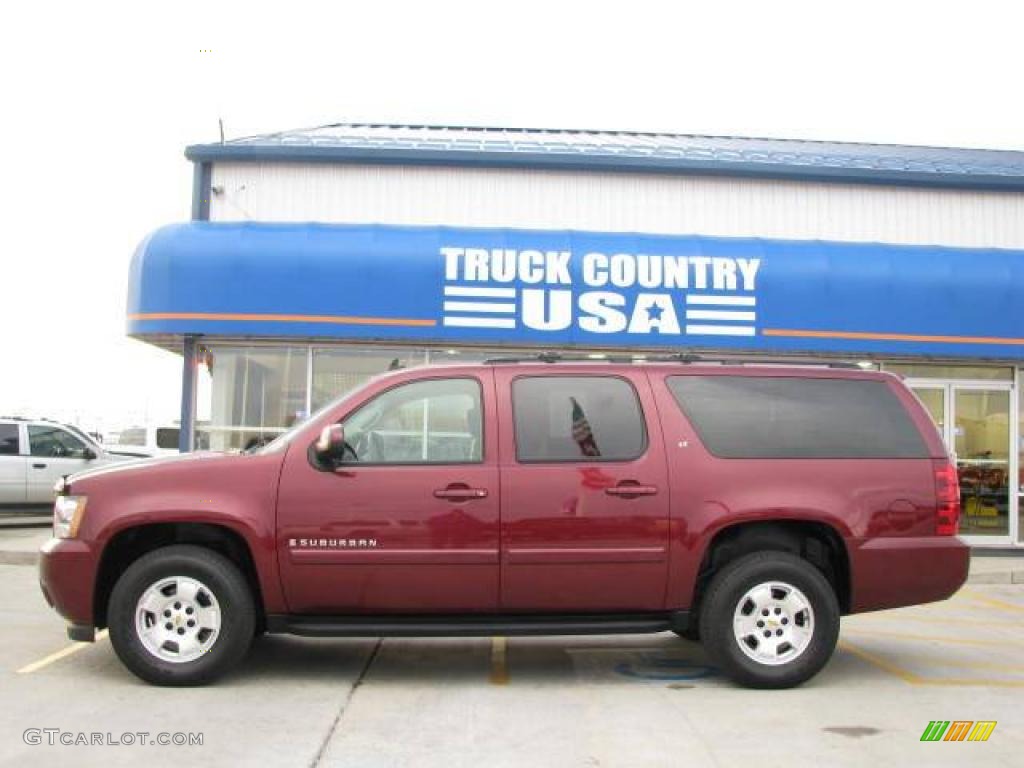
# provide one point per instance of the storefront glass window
(1020, 460)
(963, 372)
(256, 393)
(337, 370)
(934, 401)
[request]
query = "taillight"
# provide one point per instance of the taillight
(947, 498)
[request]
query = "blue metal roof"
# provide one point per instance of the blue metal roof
(628, 151)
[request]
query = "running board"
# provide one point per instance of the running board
(477, 625)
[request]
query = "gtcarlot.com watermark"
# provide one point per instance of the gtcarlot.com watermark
(54, 736)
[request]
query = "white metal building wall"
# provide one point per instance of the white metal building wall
(615, 202)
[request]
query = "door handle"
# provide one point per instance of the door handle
(460, 493)
(38, 466)
(631, 490)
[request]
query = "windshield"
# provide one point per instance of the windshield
(87, 439)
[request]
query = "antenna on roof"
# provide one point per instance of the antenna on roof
(220, 124)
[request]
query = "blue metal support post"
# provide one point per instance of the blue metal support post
(188, 395)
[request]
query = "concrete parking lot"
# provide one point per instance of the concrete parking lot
(648, 700)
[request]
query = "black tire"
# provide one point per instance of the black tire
(224, 581)
(722, 600)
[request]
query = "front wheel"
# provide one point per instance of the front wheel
(181, 615)
(770, 620)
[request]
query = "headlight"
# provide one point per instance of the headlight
(67, 516)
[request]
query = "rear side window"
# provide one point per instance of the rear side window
(741, 417)
(167, 437)
(8, 439)
(577, 418)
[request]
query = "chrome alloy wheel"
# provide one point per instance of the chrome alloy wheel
(773, 623)
(177, 619)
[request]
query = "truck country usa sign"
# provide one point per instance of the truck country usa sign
(573, 287)
(599, 293)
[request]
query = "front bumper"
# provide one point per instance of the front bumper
(67, 574)
(898, 571)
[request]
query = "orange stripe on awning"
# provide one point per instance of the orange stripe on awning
(800, 334)
(259, 318)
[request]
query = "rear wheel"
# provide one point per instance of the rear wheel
(770, 620)
(181, 615)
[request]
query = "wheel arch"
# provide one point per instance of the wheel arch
(817, 541)
(129, 544)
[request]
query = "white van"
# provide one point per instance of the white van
(152, 441)
(146, 441)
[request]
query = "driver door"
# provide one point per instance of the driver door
(54, 452)
(407, 521)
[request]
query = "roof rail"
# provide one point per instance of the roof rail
(676, 357)
(766, 361)
(558, 357)
(45, 419)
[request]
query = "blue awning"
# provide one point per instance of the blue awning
(572, 288)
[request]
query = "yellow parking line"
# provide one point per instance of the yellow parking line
(914, 679)
(499, 660)
(952, 661)
(947, 620)
(883, 664)
(992, 602)
(934, 638)
(988, 682)
(61, 654)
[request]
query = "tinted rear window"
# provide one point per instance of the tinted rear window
(741, 417)
(8, 439)
(167, 437)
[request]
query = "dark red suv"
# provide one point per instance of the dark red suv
(748, 506)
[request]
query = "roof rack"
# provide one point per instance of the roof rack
(678, 357)
(558, 357)
(778, 361)
(42, 419)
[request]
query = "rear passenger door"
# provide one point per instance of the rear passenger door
(584, 494)
(12, 467)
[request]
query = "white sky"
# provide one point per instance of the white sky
(100, 100)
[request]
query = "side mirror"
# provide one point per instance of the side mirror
(331, 444)
(88, 453)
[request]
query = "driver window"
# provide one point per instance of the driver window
(424, 422)
(54, 442)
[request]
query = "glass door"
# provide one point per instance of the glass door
(981, 440)
(974, 421)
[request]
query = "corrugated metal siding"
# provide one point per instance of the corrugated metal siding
(615, 202)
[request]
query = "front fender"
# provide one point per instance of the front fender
(258, 539)
(236, 492)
